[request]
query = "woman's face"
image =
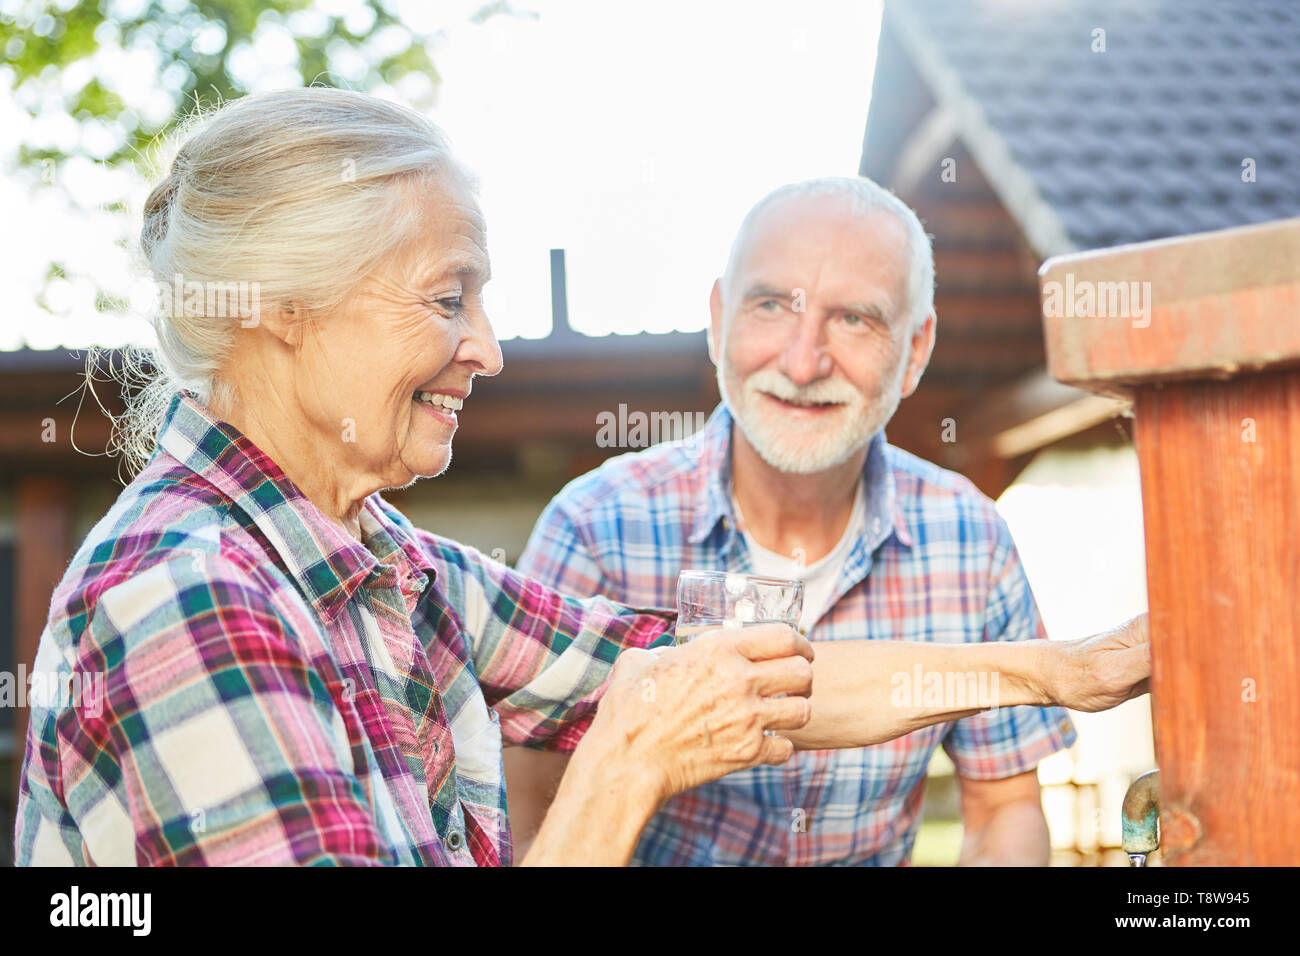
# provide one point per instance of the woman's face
(389, 371)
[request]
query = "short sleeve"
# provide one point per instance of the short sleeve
(557, 556)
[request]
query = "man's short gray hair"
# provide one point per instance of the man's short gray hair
(866, 195)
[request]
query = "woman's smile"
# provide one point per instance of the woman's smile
(441, 405)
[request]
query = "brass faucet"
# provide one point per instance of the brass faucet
(1141, 818)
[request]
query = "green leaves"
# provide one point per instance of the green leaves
(105, 79)
(198, 50)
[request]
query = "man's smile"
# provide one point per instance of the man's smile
(803, 408)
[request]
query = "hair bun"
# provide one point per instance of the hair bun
(157, 212)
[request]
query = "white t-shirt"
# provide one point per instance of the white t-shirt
(819, 577)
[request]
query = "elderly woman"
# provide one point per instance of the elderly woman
(292, 673)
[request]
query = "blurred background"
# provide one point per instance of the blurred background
(618, 147)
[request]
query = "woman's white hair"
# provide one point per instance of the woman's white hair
(864, 195)
(295, 193)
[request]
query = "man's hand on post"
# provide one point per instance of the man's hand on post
(1096, 673)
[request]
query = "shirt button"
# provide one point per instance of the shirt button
(455, 841)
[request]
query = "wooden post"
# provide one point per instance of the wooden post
(1208, 352)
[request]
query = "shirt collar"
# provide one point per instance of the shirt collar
(326, 562)
(712, 450)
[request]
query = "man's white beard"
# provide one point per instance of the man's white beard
(806, 447)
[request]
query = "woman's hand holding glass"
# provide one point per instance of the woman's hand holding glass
(698, 711)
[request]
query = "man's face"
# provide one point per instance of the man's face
(813, 346)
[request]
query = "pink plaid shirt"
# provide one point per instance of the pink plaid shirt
(266, 689)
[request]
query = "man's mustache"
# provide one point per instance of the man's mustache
(829, 392)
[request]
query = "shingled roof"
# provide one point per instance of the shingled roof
(1088, 148)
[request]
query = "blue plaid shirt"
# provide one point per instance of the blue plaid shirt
(936, 563)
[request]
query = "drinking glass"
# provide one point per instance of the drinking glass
(708, 600)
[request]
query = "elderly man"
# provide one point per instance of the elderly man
(823, 321)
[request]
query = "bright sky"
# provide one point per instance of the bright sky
(634, 136)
